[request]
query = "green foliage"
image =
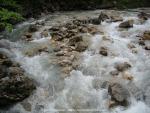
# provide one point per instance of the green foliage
(9, 18)
(9, 14)
(6, 15)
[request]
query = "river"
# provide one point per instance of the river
(80, 91)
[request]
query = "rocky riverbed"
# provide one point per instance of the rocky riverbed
(80, 62)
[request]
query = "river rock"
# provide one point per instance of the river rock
(95, 21)
(122, 66)
(141, 42)
(114, 73)
(81, 46)
(27, 106)
(103, 16)
(116, 18)
(74, 40)
(103, 51)
(54, 28)
(126, 24)
(44, 33)
(27, 37)
(65, 63)
(143, 16)
(128, 76)
(131, 46)
(147, 47)
(33, 28)
(14, 84)
(146, 35)
(93, 30)
(118, 93)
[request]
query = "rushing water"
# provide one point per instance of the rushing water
(80, 92)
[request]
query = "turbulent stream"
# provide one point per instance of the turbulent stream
(82, 91)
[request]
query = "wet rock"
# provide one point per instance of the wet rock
(141, 42)
(54, 28)
(114, 73)
(83, 29)
(93, 30)
(105, 38)
(119, 94)
(128, 76)
(103, 16)
(14, 84)
(40, 23)
(66, 70)
(95, 21)
(99, 83)
(33, 28)
(44, 33)
(111, 104)
(147, 47)
(36, 50)
(74, 40)
(126, 24)
(131, 46)
(143, 16)
(81, 46)
(103, 51)
(146, 35)
(57, 49)
(65, 63)
(135, 50)
(28, 35)
(116, 18)
(61, 53)
(43, 49)
(57, 36)
(122, 66)
(27, 106)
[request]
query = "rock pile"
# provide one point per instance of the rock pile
(14, 84)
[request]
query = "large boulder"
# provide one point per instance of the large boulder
(14, 85)
(118, 93)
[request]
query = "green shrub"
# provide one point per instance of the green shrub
(9, 18)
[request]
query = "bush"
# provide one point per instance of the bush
(9, 18)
